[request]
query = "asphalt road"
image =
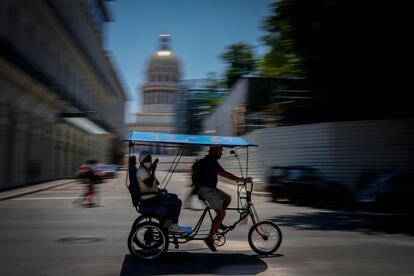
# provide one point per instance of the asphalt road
(44, 233)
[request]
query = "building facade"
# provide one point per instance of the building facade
(274, 114)
(260, 102)
(61, 101)
(195, 101)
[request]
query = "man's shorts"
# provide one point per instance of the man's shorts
(214, 197)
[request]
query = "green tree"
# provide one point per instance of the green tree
(241, 61)
(353, 54)
(281, 59)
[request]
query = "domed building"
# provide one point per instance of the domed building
(160, 90)
(159, 93)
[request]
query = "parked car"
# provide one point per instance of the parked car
(107, 170)
(302, 184)
(390, 191)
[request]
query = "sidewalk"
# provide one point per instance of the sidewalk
(34, 188)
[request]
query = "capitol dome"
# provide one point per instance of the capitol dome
(159, 93)
(163, 64)
(163, 59)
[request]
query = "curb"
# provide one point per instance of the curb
(30, 190)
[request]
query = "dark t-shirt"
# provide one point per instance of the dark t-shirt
(209, 167)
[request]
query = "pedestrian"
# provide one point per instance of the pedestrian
(91, 175)
(209, 169)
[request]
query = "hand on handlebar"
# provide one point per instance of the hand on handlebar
(245, 180)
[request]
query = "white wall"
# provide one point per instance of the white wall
(341, 150)
(221, 120)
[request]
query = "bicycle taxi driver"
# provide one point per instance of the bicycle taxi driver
(208, 191)
(148, 185)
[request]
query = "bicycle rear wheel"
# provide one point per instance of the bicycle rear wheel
(147, 241)
(265, 237)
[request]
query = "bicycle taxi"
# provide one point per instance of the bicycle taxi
(148, 239)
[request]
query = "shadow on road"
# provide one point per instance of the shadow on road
(369, 223)
(195, 263)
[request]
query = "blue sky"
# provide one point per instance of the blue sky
(200, 31)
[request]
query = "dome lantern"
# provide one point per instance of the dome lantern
(163, 61)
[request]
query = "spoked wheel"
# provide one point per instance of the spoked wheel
(147, 241)
(219, 240)
(265, 237)
(144, 218)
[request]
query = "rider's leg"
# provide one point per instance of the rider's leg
(174, 206)
(226, 199)
(221, 213)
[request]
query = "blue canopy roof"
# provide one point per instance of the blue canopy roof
(202, 140)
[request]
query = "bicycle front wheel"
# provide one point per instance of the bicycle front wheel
(265, 237)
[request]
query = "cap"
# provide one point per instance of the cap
(143, 155)
(212, 147)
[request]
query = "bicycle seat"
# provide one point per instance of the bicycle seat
(200, 197)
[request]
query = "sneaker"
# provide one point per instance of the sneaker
(175, 228)
(186, 229)
(210, 244)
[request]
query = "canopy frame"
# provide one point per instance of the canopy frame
(182, 141)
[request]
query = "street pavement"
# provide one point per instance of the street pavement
(42, 232)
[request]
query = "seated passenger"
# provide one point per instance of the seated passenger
(149, 193)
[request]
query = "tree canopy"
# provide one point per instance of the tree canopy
(355, 52)
(241, 61)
